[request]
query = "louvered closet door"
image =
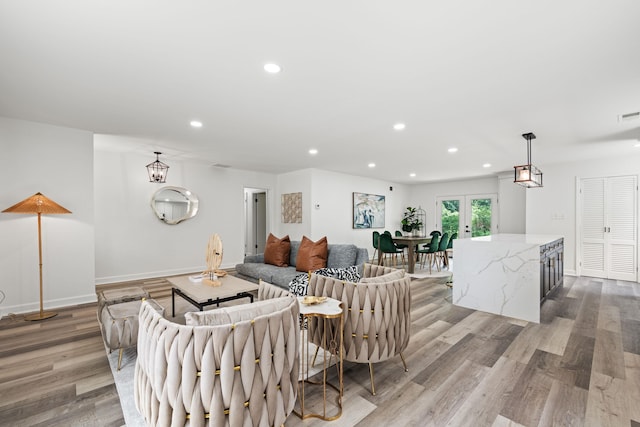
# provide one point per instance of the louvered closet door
(608, 233)
(621, 227)
(593, 228)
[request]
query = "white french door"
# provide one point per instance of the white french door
(608, 227)
(468, 215)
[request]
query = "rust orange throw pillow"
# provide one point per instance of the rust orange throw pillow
(277, 251)
(311, 255)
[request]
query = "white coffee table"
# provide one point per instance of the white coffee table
(201, 295)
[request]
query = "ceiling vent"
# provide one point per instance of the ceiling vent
(629, 117)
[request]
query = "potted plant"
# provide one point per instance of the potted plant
(410, 220)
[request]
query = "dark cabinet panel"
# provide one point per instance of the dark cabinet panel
(551, 267)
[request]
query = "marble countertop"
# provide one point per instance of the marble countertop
(534, 239)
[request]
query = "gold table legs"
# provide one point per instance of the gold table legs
(331, 343)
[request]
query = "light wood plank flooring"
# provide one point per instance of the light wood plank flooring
(579, 367)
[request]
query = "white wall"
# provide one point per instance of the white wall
(512, 203)
(425, 195)
(294, 182)
(552, 209)
(132, 243)
(58, 162)
(333, 192)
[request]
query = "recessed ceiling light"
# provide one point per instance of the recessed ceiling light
(313, 151)
(412, 174)
(195, 124)
(399, 126)
(372, 165)
(272, 68)
(486, 165)
(452, 150)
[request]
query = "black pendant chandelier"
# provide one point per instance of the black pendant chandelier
(157, 170)
(528, 175)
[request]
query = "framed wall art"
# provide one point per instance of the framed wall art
(292, 208)
(368, 210)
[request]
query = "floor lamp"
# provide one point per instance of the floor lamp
(38, 204)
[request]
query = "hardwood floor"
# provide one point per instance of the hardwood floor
(55, 372)
(579, 367)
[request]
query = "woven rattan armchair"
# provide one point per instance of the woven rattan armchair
(377, 314)
(238, 367)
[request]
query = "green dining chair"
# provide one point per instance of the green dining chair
(449, 251)
(442, 250)
(432, 234)
(387, 246)
(400, 245)
(376, 243)
(430, 251)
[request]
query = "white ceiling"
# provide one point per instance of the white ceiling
(469, 74)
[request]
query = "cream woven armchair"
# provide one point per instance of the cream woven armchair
(377, 314)
(238, 367)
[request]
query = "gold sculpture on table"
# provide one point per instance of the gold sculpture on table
(214, 259)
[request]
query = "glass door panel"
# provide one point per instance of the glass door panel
(469, 216)
(480, 214)
(450, 216)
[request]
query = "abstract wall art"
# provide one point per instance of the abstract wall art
(368, 210)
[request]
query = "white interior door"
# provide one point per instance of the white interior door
(608, 231)
(468, 215)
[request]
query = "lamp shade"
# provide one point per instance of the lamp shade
(38, 203)
(528, 175)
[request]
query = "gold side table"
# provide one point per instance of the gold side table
(327, 312)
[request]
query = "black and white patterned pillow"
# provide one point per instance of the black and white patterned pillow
(300, 283)
(298, 286)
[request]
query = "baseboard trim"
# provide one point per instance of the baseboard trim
(48, 305)
(154, 274)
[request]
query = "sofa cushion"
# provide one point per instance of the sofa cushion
(341, 256)
(311, 255)
(281, 276)
(389, 277)
(276, 251)
(258, 270)
(293, 258)
(236, 313)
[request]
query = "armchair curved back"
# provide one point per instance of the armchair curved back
(377, 318)
(375, 270)
(238, 372)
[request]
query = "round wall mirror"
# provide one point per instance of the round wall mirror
(174, 204)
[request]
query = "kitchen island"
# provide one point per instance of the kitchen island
(507, 274)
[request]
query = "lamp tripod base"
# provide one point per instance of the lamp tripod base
(41, 315)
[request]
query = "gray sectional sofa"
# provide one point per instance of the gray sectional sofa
(338, 256)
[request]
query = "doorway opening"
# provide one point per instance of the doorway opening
(255, 215)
